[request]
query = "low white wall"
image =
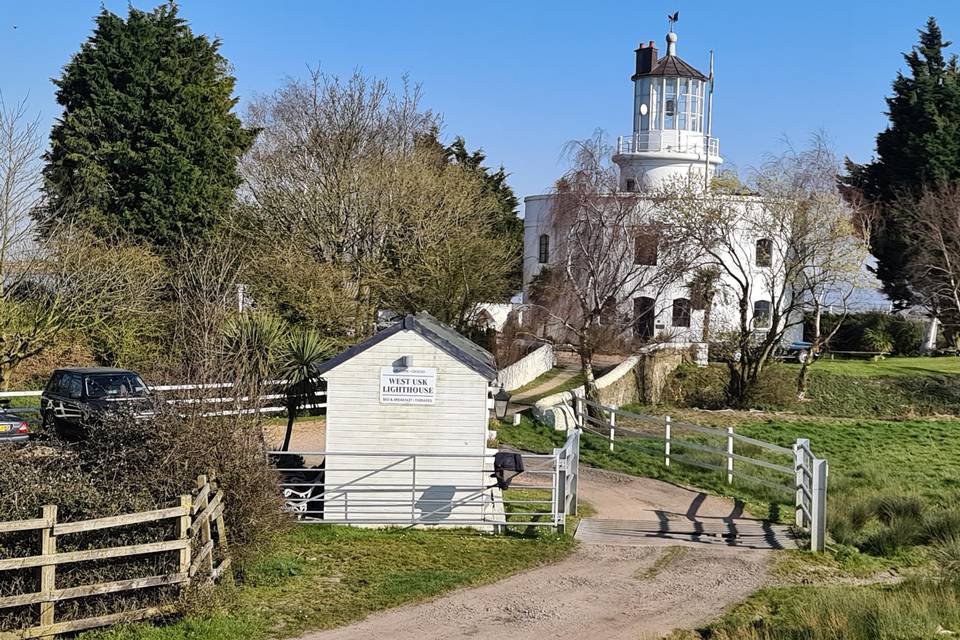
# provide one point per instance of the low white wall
(528, 368)
(556, 409)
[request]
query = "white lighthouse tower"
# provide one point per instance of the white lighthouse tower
(671, 128)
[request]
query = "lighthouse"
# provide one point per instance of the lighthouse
(671, 129)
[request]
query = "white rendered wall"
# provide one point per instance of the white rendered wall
(725, 312)
(528, 368)
(356, 422)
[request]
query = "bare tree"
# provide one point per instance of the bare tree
(778, 253)
(609, 248)
(68, 281)
(931, 225)
(318, 176)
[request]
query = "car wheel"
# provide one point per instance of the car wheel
(802, 356)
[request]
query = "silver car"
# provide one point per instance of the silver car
(13, 428)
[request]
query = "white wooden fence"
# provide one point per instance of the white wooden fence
(799, 472)
(197, 394)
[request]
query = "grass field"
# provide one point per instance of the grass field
(320, 577)
(896, 366)
(893, 511)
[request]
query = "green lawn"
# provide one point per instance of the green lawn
(320, 577)
(895, 366)
(567, 385)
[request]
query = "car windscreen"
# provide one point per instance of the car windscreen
(115, 385)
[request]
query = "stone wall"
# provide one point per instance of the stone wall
(528, 368)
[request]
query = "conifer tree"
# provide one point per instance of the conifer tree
(148, 143)
(919, 148)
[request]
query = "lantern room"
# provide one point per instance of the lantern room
(670, 124)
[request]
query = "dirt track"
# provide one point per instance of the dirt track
(600, 591)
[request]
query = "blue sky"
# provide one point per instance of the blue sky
(520, 79)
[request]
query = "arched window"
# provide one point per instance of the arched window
(645, 249)
(681, 312)
(764, 252)
(643, 317)
(761, 314)
(544, 249)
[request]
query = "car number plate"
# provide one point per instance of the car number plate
(4, 428)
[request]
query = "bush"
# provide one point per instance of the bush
(128, 465)
(870, 331)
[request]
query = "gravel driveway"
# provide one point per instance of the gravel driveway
(600, 591)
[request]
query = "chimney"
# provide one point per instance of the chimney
(646, 58)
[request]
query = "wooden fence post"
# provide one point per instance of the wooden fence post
(48, 572)
(818, 510)
(799, 462)
(613, 428)
(666, 441)
(203, 499)
(729, 455)
(183, 533)
(575, 471)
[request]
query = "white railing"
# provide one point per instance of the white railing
(804, 476)
(428, 489)
(270, 402)
(672, 141)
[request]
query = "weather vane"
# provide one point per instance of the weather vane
(673, 19)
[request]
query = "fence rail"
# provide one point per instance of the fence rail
(271, 402)
(198, 522)
(804, 475)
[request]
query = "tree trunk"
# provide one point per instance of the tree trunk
(589, 381)
(930, 339)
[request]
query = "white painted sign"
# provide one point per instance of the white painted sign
(408, 385)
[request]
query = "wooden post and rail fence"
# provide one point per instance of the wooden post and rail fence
(198, 531)
(804, 477)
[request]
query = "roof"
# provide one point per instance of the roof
(443, 337)
(672, 66)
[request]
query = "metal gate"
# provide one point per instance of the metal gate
(428, 489)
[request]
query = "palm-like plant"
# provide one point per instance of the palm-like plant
(252, 343)
(302, 353)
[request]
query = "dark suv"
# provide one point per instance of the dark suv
(75, 398)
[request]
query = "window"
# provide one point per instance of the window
(764, 252)
(72, 386)
(681, 312)
(631, 184)
(643, 316)
(544, 257)
(645, 249)
(670, 103)
(761, 314)
(109, 385)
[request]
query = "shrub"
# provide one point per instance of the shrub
(870, 331)
(947, 556)
(128, 465)
(942, 525)
(893, 506)
(877, 339)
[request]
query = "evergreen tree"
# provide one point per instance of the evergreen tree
(919, 148)
(148, 143)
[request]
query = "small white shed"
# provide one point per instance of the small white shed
(407, 427)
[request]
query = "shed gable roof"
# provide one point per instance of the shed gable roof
(440, 335)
